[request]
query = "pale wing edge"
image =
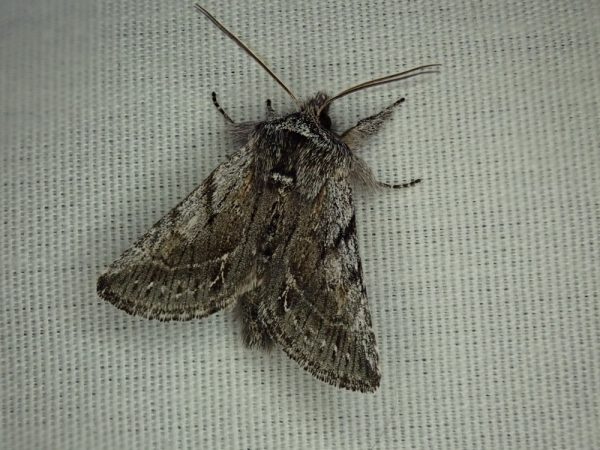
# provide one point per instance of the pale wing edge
(362, 384)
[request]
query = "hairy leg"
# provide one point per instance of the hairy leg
(363, 174)
(221, 110)
(368, 126)
(270, 110)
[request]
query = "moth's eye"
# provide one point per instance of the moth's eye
(325, 121)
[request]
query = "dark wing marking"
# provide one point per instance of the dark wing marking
(197, 258)
(311, 296)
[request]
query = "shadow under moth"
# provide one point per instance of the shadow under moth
(272, 232)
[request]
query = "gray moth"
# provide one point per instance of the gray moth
(270, 232)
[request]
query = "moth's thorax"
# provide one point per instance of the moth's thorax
(299, 152)
(310, 122)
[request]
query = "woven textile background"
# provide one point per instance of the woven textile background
(483, 281)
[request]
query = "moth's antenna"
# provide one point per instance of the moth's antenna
(421, 70)
(247, 49)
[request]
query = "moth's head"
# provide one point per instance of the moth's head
(317, 107)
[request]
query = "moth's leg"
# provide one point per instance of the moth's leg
(221, 110)
(399, 186)
(254, 332)
(369, 125)
(270, 110)
(362, 172)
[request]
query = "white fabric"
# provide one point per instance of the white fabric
(483, 280)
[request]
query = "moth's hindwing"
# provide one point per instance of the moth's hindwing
(311, 298)
(195, 260)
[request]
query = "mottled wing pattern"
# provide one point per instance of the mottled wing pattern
(197, 258)
(311, 298)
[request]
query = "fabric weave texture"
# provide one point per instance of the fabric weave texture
(483, 280)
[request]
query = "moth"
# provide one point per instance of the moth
(272, 232)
